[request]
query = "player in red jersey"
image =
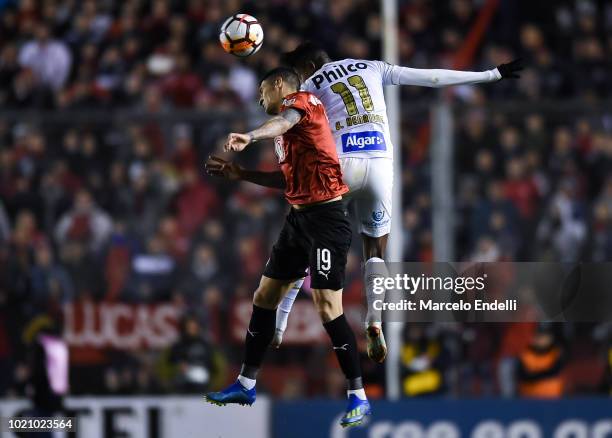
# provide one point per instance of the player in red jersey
(316, 234)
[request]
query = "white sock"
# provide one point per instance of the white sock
(373, 267)
(246, 382)
(282, 313)
(360, 393)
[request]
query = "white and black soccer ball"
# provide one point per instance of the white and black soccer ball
(241, 35)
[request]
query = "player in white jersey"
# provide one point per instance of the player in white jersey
(352, 93)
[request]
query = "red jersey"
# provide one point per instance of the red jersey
(307, 153)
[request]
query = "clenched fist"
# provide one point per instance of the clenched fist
(236, 142)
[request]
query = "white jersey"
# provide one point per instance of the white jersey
(352, 92)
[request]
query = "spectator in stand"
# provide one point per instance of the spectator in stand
(51, 284)
(541, 364)
(563, 153)
(480, 342)
(48, 58)
(195, 202)
(26, 235)
(205, 267)
(198, 366)
(9, 69)
(85, 222)
(496, 216)
(184, 155)
(153, 273)
(183, 85)
(48, 364)
(25, 198)
(487, 251)
(536, 137)
(521, 190)
(600, 244)
(5, 225)
(600, 248)
(422, 359)
(564, 229)
(83, 269)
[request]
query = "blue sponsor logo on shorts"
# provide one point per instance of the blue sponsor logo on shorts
(379, 220)
(378, 215)
(363, 141)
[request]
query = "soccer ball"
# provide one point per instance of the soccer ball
(241, 35)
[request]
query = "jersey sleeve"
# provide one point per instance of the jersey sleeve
(300, 102)
(385, 70)
(434, 78)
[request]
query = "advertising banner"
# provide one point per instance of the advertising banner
(120, 325)
(436, 418)
(154, 417)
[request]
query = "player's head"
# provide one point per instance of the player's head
(274, 86)
(306, 59)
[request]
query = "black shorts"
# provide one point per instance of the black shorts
(317, 237)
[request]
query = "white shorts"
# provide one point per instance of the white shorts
(371, 190)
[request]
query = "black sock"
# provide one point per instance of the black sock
(345, 346)
(258, 337)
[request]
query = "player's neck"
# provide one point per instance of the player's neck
(286, 91)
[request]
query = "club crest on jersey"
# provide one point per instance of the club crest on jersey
(363, 141)
(378, 215)
(279, 148)
(314, 100)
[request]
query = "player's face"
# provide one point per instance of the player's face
(270, 96)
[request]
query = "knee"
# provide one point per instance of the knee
(327, 314)
(266, 297)
(328, 309)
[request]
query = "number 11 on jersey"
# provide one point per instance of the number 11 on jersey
(347, 96)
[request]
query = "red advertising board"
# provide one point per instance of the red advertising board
(120, 326)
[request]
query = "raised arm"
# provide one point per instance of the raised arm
(274, 180)
(436, 78)
(273, 127)
(216, 166)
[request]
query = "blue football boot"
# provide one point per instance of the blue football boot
(235, 393)
(356, 411)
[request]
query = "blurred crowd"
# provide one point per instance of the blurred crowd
(116, 207)
(530, 185)
(74, 54)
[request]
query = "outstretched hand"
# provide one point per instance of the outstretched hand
(217, 166)
(236, 142)
(511, 69)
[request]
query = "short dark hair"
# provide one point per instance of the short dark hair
(289, 75)
(305, 53)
